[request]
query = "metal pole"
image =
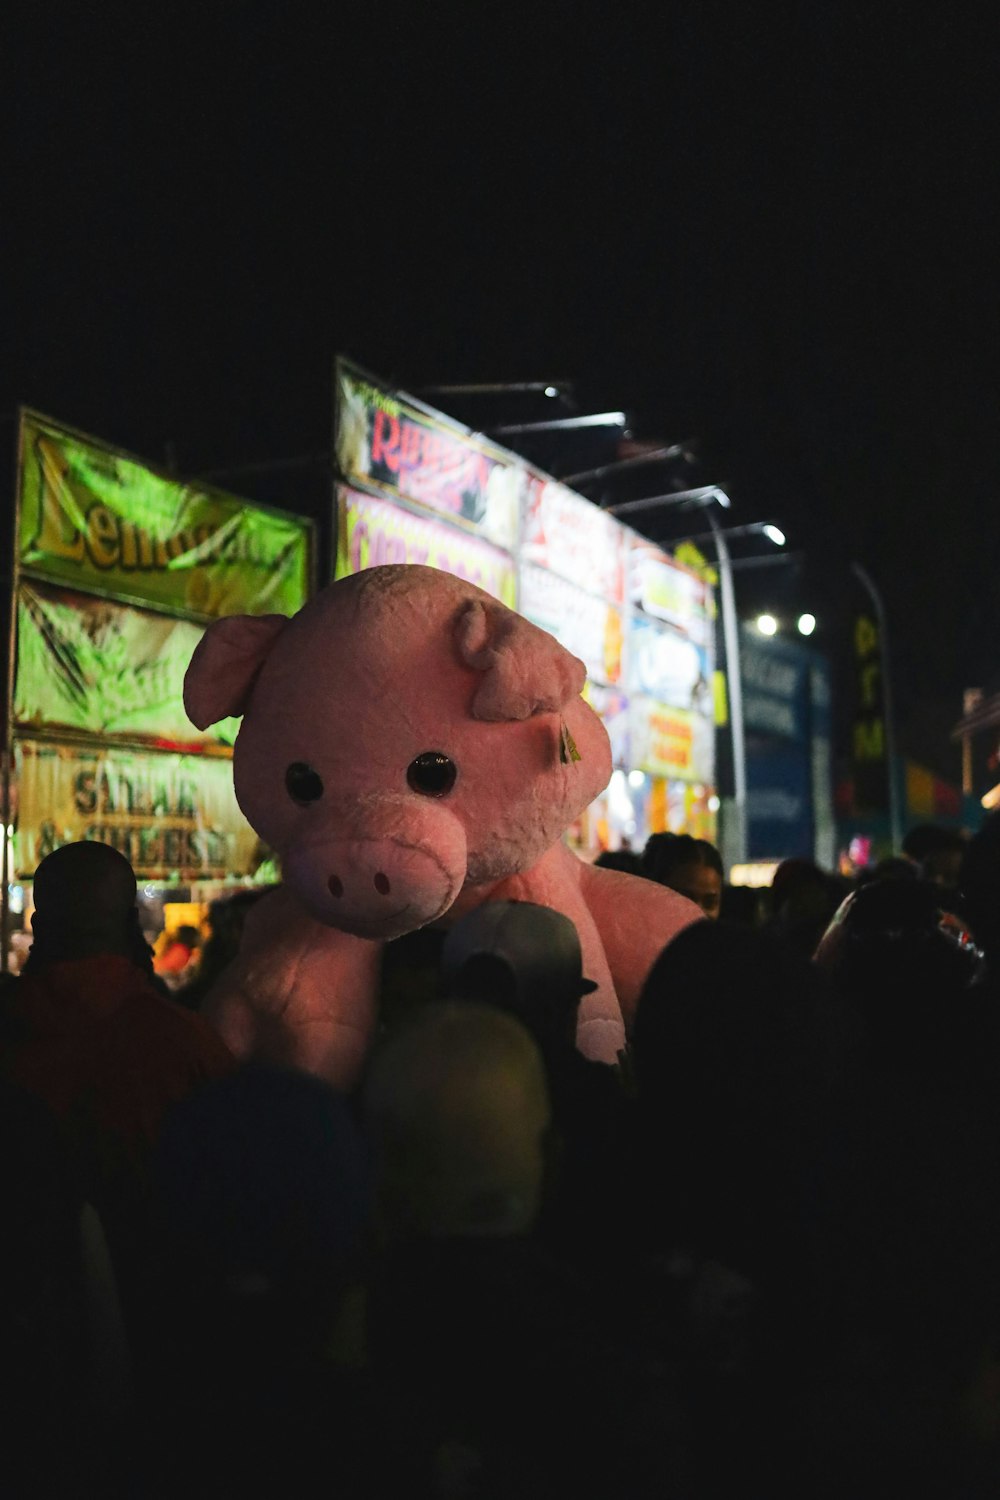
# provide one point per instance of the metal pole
(699, 496)
(654, 456)
(736, 841)
(895, 810)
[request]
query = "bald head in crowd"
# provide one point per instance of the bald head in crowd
(457, 1106)
(85, 903)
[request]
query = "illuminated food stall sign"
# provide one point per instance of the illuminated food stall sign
(374, 531)
(670, 742)
(90, 666)
(587, 626)
(170, 815)
(572, 537)
(117, 570)
(668, 665)
(92, 518)
(667, 591)
(390, 441)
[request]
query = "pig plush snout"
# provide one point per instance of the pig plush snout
(380, 886)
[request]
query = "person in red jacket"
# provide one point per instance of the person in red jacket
(85, 1030)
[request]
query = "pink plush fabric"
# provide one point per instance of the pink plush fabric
(339, 705)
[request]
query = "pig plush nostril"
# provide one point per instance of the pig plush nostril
(382, 884)
(335, 886)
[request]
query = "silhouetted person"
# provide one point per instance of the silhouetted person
(627, 860)
(908, 1215)
(226, 917)
(803, 899)
(88, 1033)
(485, 1344)
(907, 968)
(261, 1197)
(690, 866)
(937, 853)
(734, 1053)
(525, 959)
(979, 882)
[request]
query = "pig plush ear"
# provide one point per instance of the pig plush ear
(525, 670)
(225, 662)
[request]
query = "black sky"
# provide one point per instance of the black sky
(773, 227)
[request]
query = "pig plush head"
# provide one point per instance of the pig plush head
(404, 735)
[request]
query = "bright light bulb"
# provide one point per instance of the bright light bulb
(550, 390)
(636, 778)
(774, 534)
(713, 803)
(767, 625)
(807, 624)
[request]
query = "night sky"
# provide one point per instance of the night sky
(773, 228)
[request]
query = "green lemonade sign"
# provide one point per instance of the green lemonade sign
(93, 519)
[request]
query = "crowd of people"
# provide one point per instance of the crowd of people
(761, 1254)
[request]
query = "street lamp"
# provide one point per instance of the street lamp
(562, 424)
(768, 624)
(703, 495)
(637, 460)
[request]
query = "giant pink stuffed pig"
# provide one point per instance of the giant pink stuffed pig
(410, 748)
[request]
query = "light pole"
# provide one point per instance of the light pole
(734, 828)
(735, 852)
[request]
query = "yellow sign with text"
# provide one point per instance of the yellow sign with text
(96, 520)
(170, 815)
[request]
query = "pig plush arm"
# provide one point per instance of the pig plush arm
(298, 994)
(636, 919)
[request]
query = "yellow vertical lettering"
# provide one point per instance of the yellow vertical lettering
(56, 536)
(102, 536)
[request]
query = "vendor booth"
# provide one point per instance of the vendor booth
(116, 571)
(416, 486)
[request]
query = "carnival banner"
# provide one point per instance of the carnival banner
(94, 519)
(372, 532)
(667, 665)
(585, 625)
(90, 666)
(611, 707)
(388, 440)
(668, 591)
(573, 537)
(172, 816)
(670, 742)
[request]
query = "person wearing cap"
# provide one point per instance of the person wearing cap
(526, 959)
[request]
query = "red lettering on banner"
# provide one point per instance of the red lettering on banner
(385, 441)
(358, 537)
(409, 452)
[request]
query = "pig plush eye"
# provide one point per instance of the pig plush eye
(302, 783)
(432, 774)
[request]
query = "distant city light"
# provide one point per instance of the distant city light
(774, 534)
(767, 625)
(619, 802)
(807, 624)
